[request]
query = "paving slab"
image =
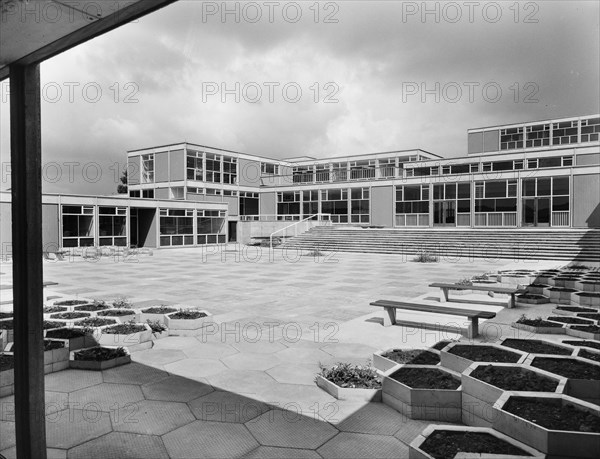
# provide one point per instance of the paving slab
(123, 446)
(151, 417)
(348, 444)
(176, 389)
(220, 406)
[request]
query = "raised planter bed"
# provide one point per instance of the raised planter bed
(99, 358)
(6, 326)
(445, 441)
(56, 355)
(71, 302)
(535, 346)
(583, 343)
(440, 345)
(590, 355)
(423, 392)
(6, 315)
(586, 299)
(76, 338)
(3, 339)
(70, 317)
(51, 324)
(556, 425)
(155, 313)
(187, 322)
(458, 357)
(56, 309)
(95, 322)
(584, 331)
(384, 360)
(125, 335)
(569, 320)
(571, 310)
(539, 325)
(484, 383)
(7, 374)
(532, 298)
(123, 315)
(588, 285)
(93, 308)
(583, 376)
(590, 315)
(345, 381)
(566, 281)
(537, 288)
(559, 295)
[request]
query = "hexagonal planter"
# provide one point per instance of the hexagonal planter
(583, 376)
(122, 315)
(524, 417)
(538, 346)
(191, 326)
(70, 303)
(96, 363)
(76, 338)
(458, 356)
(384, 360)
(7, 374)
(484, 383)
(586, 298)
(545, 279)
(584, 353)
(566, 281)
(108, 337)
(93, 308)
(590, 315)
(346, 393)
(537, 288)
(571, 310)
(6, 326)
(532, 326)
(559, 295)
(584, 331)
(416, 391)
(3, 339)
(570, 320)
(591, 344)
(155, 314)
(71, 318)
(436, 437)
(531, 298)
(587, 285)
(56, 358)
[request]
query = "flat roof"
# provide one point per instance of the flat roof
(551, 120)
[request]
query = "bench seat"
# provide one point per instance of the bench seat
(446, 287)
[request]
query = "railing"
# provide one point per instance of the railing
(362, 174)
(412, 220)
(325, 218)
(303, 178)
(322, 177)
(339, 175)
(387, 172)
(496, 219)
(560, 218)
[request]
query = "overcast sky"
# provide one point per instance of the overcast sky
(162, 77)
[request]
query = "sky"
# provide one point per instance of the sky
(322, 79)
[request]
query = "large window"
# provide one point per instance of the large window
(412, 205)
(213, 168)
(359, 205)
(288, 205)
(303, 174)
(564, 132)
(590, 130)
(112, 226)
(195, 165)
(310, 204)
(248, 203)
(77, 226)
(211, 224)
(496, 203)
(538, 136)
(335, 202)
(176, 227)
(148, 168)
(361, 170)
(229, 170)
(511, 138)
(269, 169)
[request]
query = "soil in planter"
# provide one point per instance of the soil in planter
(570, 320)
(159, 310)
(589, 294)
(589, 355)
(91, 307)
(425, 378)
(100, 354)
(6, 324)
(562, 289)
(538, 285)
(412, 356)
(445, 444)
(6, 315)
(7, 362)
(539, 322)
(586, 328)
(590, 344)
(352, 376)
(535, 347)
(531, 296)
(96, 322)
(553, 414)
(69, 315)
(575, 309)
(440, 345)
(593, 316)
(189, 315)
(49, 345)
(49, 324)
(117, 312)
(70, 302)
(65, 333)
(53, 309)
(569, 368)
(484, 353)
(513, 378)
(124, 329)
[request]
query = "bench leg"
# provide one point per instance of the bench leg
(511, 301)
(443, 295)
(473, 329)
(389, 318)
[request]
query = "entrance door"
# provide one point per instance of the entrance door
(133, 229)
(232, 231)
(444, 213)
(536, 212)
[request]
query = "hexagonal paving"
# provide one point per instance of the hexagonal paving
(106, 397)
(176, 389)
(348, 444)
(158, 357)
(221, 406)
(122, 445)
(239, 381)
(70, 380)
(196, 368)
(134, 373)
(76, 426)
(151, 417)
(209, 350)
(294, 373)
(249, 361)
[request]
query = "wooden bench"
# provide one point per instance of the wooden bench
(47, 284)
(473, 315)
(58, 255)
(445, 288)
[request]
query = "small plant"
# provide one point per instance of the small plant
(96, 322)
(156, 326)
(315, 253)
(162, 309)
(116, 312)
(69, 315)
(124, 329)
(537, 322)
(99, 354)
(188, 314)
(481, 277)
(122, 303)
(466, 282)
(50, 345)
(352, 376)
(425, 257)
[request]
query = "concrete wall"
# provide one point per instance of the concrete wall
(50, 227)
(247, 230)
(586, 209)
(233, 204)
(148, 224)
(475, 142)
(491, 141)
(249, 172)
(267, 203)
(382, 206)
(177, 165)
(161, 193)
(161, 167)
(5, 230)
(133, 170)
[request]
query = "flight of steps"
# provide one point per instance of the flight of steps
(452, 244)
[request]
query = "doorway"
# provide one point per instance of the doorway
(536, 212)
(444, 213)
(232, 230)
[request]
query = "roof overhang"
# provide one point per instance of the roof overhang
(32, 31)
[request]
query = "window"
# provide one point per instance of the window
(303, 174)
(134, 193)
(229, 170)
(248, 203)
(502, 166)
(148, 194)
(564, 132)
(518, 164)
(213, 192)
(210, 226)
(462, 168)
(335, 202)
(359, 205)
(487, 167)
(474, 168)
(532, 163)
(511, 138)
(387, 167)
(412, 199)
(269, 169)
(213, 168)
(176, 227)
(148, 168)
(590, 130)
(230, 193)
(496, 196)
(362, 169)
(195, 165)
(77, 226)
(555, 161)
(112, 226)
(310, 204)
(538, 135)
(567, 161)
(194, 190)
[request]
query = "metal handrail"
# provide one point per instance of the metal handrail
(295, 224)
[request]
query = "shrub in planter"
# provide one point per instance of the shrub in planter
(425, 257)
(159, 330)
(69, 315)
(155, 313)
(483, 384)
(536, 288)
(94, 307)
(77, 338)
(444, 441)
(458, 357)
(127, 334)
(55, 309)
(99, 358)
(556, 425)
(122, 303)
(583, 375)
(531, 298)
(535, 346)
(583, 343)
(50, 324)
(187, 321)
(423, 392)
(70, 302)
(384, 360)
(538, 325)
(7, 374)
(345, 381)
(584, 331)
(95, 322)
